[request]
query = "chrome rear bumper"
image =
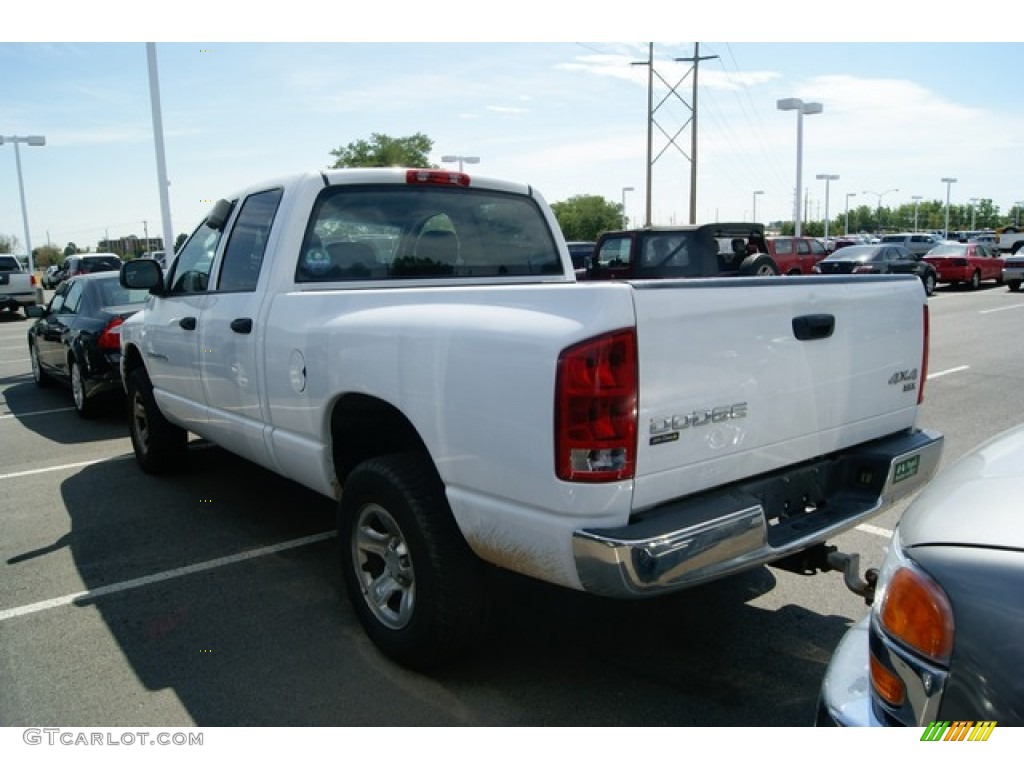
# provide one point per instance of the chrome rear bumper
(755, 522)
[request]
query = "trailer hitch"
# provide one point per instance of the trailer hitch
(824, 558)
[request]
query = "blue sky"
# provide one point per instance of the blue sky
(566, 117)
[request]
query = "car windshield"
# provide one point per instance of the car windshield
(101, 264)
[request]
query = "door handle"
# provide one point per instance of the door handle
(242, 325)
(811, 327)
(188, 323)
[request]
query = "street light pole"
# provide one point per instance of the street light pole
(948, 181)
(973, 201)
(625, 220)
(1016, 219)
(757, 192)
(460, 159)
(32, 141)
(878, 211)
(917, 200)
(826, 177)
(848, 196)
(802, 108)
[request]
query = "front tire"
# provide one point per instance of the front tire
(416, 587)
(929, 284)
(976, 280)
(160, 446)
(1013, 285)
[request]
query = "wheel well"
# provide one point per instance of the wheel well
(363, 427)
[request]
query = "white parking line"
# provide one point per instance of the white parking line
(76, 465)
(1000, 309)
(948, 371)
(188, 570)
(34, 413)
(875, 530)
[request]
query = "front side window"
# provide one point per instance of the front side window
(394, 232)
(191, 271)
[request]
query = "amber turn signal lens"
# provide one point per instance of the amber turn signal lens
(917, 613)
(887, 685)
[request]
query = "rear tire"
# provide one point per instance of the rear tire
(758, 265)
(41, 377)
(929, 284)
(1013, 285)
(416, 587)
(976, 280)
(160, 446)
(83, 405)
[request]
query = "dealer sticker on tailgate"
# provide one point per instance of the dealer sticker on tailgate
(906, 468)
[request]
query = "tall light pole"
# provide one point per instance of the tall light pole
(32, 141)
(848, 196)
(826, 177)
(917, 200)
(460, 159)
(878, 211)
(974, 200)
(802, 108)
(625, 221)
(948, 181)
(1016, 219)
(757, 192)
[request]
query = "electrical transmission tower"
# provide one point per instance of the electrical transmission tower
(671, 138)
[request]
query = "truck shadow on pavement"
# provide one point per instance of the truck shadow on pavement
(271, 640)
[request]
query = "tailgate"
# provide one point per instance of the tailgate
(747, 375)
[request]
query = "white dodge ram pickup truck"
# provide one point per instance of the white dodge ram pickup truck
(414, 344)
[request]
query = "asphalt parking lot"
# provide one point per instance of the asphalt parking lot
(212, 597)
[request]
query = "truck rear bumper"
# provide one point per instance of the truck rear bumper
(755, 522)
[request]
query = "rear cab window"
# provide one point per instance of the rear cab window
(396, 232)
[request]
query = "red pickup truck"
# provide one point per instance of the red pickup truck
(795, 255)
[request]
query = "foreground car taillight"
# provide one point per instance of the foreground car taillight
(595, 409)
(110, 337)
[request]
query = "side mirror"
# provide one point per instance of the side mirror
(219, 214)
(35, 311)
(143, 274)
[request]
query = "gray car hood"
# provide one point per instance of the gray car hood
(974, 502)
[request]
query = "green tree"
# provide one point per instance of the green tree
(7, 244)
(179, 241)
(383, 151)
(70, 250)
(585, 217)
(46, 256)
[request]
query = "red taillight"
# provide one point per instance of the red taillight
(110, 337)
(595, 409)
(449, 178)
(32, 280)
(926, 343)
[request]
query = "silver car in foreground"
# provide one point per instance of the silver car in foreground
(943, 640)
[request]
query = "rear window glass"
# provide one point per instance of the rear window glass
(391, 232)
(101, 264)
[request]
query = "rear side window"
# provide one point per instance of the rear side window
(243, 256)
(392, 232)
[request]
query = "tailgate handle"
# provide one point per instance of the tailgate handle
(188, 323)
(242, 325)
(811, 327)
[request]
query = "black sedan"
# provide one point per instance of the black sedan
(76, 339)
(942, 642)
(878, 259)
